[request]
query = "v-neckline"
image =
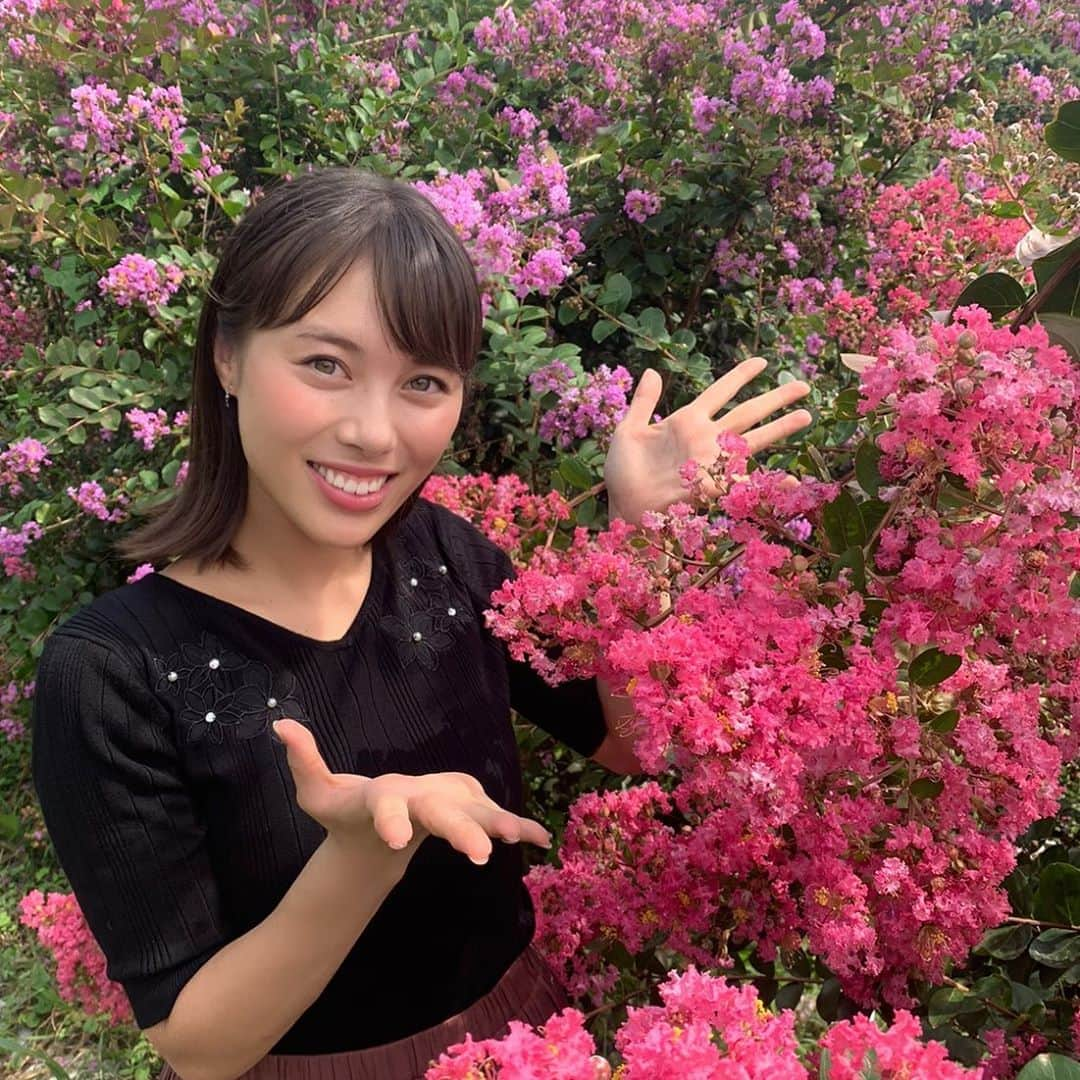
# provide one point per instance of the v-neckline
(374, 587)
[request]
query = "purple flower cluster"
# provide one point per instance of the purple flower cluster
(593, 408)
(148, 427)
(11, 727)
(640, 205)
(99, 111)
(137, 278)
(13, 546)
(24, 457)
(520, 231)
(90, 499)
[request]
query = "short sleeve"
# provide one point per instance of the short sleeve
(571, 711)
(123, 822)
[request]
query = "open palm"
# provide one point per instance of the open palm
(643, 461)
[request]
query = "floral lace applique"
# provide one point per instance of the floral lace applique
(435, 611)
(221, 692)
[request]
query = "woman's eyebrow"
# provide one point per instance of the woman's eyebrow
(332, 339)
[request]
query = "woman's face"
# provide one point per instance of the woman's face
(333, 390)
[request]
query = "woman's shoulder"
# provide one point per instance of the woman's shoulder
(121, 621)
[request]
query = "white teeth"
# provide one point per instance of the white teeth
(351, 484)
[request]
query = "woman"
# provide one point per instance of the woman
(325, 900)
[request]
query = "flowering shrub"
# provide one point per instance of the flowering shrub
(852, 696)
(705, 1027)
(80, 963)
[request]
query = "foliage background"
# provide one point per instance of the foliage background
(756, 228)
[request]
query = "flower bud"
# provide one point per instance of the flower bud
(973, 555)
(964, 386)
(967, 340)
(1059, 425)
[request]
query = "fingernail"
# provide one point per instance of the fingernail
(273, 732)
(478, 862)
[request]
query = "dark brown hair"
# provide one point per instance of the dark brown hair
(311, 229)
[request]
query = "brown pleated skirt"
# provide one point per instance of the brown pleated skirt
(529, 991)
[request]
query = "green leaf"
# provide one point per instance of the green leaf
(574, 471)
(997, 293)
(854, 560)
(616, 294)
(843, 523)
(1005, 942)
(1056, 948)
(925, 788)
(51, 416)
(946, 721)
(1058, 896)
(866, 467)
(1063, 132)
(603, 329)
(788, 996)
(1066, 296)
(1063, 330)
(653, 323)
(949, 1002)
(846, 404)
(1008, 209)
(1050, 1067)
(932, 666)
(87, 398)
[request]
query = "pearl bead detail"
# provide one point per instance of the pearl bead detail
(173, 676)
(271, 702)
(451, 611)
(215, 663)
(413, 582)
(417, 636)
(442, 568)
(210, 717)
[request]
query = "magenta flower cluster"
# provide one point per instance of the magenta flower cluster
(80, 964)
(704, 1027)
(786, 759)
(586, 407)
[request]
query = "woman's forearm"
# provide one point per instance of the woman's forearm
(247, 995)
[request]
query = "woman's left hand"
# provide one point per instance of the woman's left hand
(643, 461)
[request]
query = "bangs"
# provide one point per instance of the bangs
(425, 285)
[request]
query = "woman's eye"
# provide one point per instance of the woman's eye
(437, 383)
(321, 360)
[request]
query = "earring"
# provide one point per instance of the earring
(226, 398)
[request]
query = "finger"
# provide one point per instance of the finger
(713, 398)
(390, 816)
(755, 410)
(646, 396)
(455, 826)
(511, 827)
(302, 754)
(758, 438)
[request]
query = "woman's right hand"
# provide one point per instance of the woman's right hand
(400, 809)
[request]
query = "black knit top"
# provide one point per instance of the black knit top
(173, 811)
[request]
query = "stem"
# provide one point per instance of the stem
(1040, 922)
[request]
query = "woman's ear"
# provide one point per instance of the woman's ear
(225, 363)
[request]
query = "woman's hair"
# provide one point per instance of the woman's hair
(278, 262)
